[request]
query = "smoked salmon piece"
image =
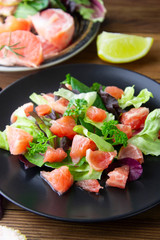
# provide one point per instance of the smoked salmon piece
(29, 52)
(59, 179)
(12, 24)
(49, 50)
(54, 25)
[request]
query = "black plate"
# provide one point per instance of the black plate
(25, 187)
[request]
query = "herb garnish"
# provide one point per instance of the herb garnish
(111, 132)
(40, 146)
(76, 108)
(11, 48)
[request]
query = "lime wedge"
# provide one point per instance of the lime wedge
(122, 48)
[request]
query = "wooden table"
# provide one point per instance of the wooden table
(140, 17)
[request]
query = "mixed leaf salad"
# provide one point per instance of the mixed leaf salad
(85, 134)
(88, 9)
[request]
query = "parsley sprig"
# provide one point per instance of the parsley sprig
(12, 48)
(76, 108)
(40, 146)
(111, 132)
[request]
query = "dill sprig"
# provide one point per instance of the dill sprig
(12, 48)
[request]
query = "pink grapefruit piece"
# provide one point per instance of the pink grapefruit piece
(59, 179)
(80, 144)
(90, 185)
(118, 177)
(100, 160)
(18, 140)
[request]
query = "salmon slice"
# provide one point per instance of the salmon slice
(54, 25)
(29, 47)
(49, 49)
(12, 24)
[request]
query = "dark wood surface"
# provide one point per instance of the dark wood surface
(140, 17)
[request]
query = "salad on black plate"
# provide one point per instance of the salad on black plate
(95, 137)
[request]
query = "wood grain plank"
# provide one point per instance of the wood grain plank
(142, 18)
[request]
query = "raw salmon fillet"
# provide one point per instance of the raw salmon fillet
(54, 25)
(29, 45)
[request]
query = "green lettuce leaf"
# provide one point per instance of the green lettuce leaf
(38, 99)
(3, 141)
(129, 99)
(36, 159)
(147, 140)
(27, 125)
(90, 97)
(82, 171)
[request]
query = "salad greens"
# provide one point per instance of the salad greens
(105, 134)
(89, 9)
(129, 99)
(111, 132)
(147, 140)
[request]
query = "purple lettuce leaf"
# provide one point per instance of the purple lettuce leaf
(91, 10)
(110, 103)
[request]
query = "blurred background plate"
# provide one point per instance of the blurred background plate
(85, 32)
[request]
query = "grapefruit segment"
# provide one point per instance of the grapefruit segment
(135, 117)
(91, 185)
(63, 127)
(118, 177)
(99, 160)
(54, 155)
(96, 114)
(131, 151)
(43, 109)
(59, 179)
(114, 91)
(28, 50)
(80, 144)
(59, 106)
(18, 140)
